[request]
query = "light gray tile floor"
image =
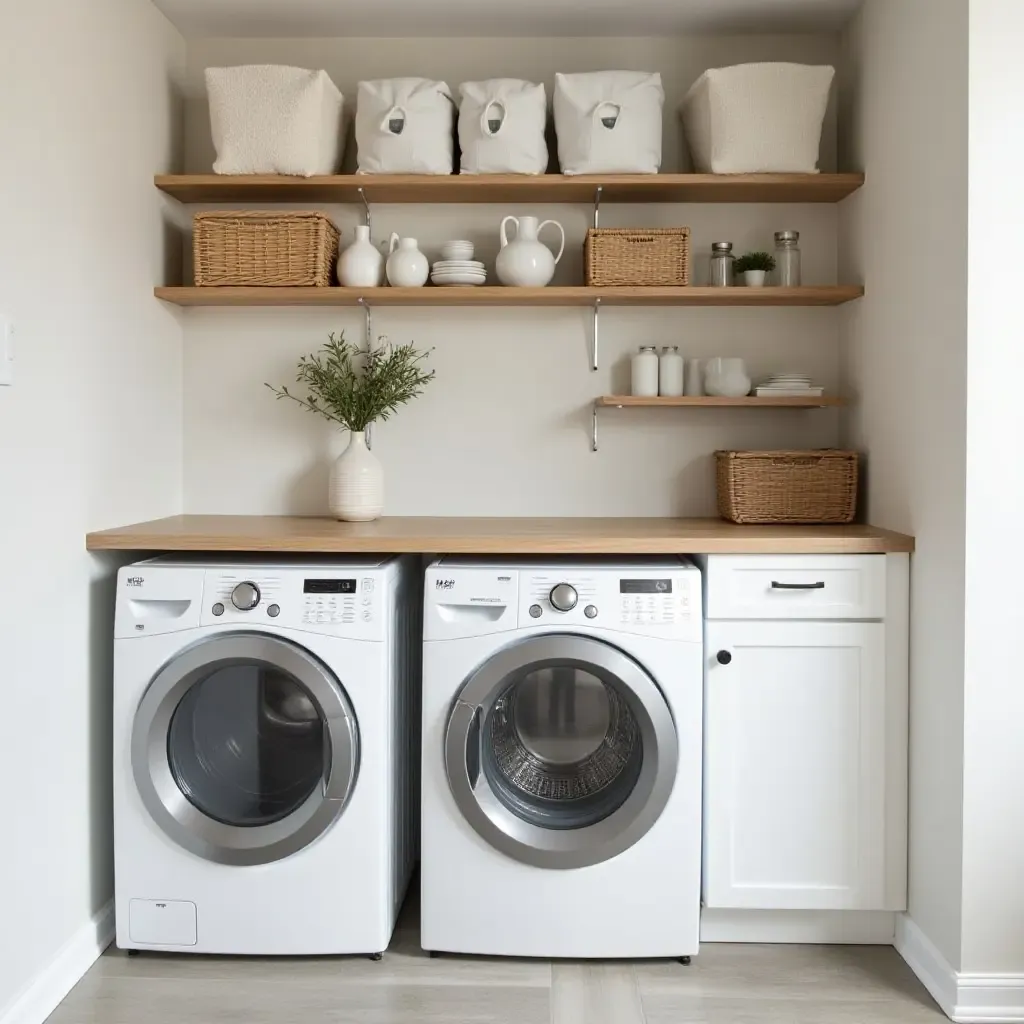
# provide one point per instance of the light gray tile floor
(726, 984)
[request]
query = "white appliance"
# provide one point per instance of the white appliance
(561, 787)
(264, 739)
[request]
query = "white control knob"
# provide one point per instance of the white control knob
(563, 597)
(245, 596)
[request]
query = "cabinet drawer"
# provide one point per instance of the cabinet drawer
(795, 587)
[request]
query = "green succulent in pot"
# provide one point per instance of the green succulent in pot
(355, 386)
(754, 267)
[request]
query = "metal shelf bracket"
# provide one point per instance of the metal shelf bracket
(366, 209)
(593, 436)
(594, 350)
(369, 341)
(597, 205)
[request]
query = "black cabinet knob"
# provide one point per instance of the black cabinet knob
(724, 657)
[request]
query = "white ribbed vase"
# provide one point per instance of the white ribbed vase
(357, 483)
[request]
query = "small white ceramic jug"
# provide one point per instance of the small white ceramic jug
(526, 262)
(407, 267)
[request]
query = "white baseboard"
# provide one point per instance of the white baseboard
(855, 927)
(964, 996)
(43, 994)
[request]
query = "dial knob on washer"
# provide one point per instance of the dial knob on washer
(245, 596)
(564, 597)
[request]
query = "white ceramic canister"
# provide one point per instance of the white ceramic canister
(644, 369)
(670, 372)
(694, 378)
(361, 265)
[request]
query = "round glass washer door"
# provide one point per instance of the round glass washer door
(245, 748)
(561, 751)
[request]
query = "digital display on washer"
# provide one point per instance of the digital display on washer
(645, 586)
(329, 587)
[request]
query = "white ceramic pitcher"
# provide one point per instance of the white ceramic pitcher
(526, 262)
(407, 267)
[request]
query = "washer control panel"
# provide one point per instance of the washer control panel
(347, 603)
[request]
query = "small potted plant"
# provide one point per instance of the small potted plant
(354, 387)
(755, 267)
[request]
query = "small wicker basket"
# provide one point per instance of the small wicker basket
(270, 249)
(638, 257)
(787, 486)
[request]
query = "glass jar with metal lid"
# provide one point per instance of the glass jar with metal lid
(722, 259)
(787, 259)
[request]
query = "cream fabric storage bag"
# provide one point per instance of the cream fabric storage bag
(757, 118)
(501, 127)
(404, 126)
(270, 119)
(609, 122)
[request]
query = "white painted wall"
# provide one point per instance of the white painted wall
(993, 852)
(90, 436)
(505, 428)
(904, 352)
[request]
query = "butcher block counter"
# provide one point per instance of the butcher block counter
(493, 536)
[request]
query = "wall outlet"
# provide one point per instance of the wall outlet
(6, 352)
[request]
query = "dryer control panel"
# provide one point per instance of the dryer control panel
(636, 600)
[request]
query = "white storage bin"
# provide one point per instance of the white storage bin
(268, 119)
(404, 126)
(609, 122)
(757, 118)
(501, 127)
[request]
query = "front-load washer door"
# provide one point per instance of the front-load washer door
(561, 751)
(245, 748)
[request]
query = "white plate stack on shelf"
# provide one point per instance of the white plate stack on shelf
(456, 267)
(789, 385)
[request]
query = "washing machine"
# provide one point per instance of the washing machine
(264, 746)
(561, 762)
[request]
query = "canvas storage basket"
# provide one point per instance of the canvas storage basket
(404, 126)
(268, 119)
(755, 118)
(269, 249)
(787, 486)
(501, 127)
(609, 122)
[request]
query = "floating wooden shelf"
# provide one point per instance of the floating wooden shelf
(708, 401)
(489, 295)
(511, 188)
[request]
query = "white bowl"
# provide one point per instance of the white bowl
(457, 250)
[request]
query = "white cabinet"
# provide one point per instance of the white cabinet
(805, 751)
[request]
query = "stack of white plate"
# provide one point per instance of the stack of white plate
(789, 385)
(458, 272)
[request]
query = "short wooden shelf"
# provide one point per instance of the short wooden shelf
(490, 295)
(712, 402)
(511, 188)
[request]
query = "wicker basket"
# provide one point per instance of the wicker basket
(787, 487)
(638, 257)
(275, 250)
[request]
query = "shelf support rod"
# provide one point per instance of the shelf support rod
(593, 429)
(366, 209)
(597, 205)
(594, 352)
(369, 344)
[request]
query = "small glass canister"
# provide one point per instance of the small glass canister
(787, 259)
(722, 261)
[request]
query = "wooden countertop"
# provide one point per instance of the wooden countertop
(492, 536)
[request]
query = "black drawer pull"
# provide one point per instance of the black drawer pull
(820, 585)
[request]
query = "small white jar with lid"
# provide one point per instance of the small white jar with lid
(645, 372)
(670, 372)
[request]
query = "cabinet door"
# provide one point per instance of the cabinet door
(795, 788)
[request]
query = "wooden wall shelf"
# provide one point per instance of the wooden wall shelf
(711, 402)
(511, 188)
(490, 295)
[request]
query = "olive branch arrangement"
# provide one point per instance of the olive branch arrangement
(354, 386)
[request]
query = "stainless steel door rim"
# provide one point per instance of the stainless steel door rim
(185, 823)
(554, 847)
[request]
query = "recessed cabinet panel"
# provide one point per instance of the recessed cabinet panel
(795, 766)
